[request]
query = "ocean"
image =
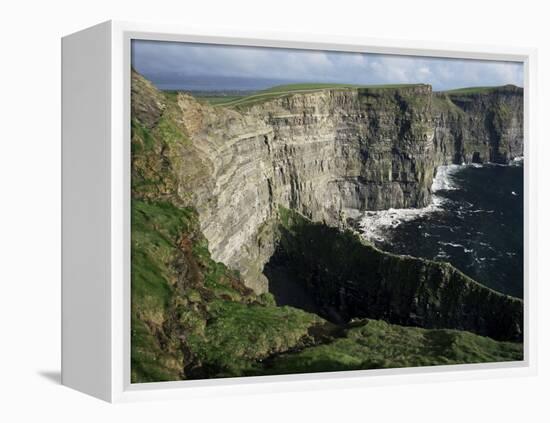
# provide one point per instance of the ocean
(475, 222)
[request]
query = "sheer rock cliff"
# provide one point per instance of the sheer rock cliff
(323, 153)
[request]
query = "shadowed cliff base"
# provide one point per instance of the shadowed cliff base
(287, 289)
(338, 276)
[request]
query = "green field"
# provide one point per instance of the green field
(321, 86)
(234, 100)
(216, 100)
(473, 90)
(284, 90)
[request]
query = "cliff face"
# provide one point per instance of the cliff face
(361, 149)
(479, 125)
(321, 153)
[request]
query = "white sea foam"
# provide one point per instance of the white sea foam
(516, 161)
(442, 255)
(444, 178)
(455, 245)
(452, 244)
(374, 224)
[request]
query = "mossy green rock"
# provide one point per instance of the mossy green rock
(375, 344)
(193, 317)
(349, 279)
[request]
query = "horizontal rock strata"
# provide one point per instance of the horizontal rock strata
(319, 153)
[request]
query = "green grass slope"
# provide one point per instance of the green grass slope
(217, 100)
(290, 89)
(191, 316)
(375, 344)
(481, 90)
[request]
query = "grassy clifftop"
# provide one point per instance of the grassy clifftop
(484, 90)
(291, 89)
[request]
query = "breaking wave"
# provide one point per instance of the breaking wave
(374, 224)
(443, 179)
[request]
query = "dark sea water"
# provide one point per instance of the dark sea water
(475, 223)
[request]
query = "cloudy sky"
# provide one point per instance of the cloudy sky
(213, 67)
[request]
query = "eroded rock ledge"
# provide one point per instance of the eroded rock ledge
(349, 279)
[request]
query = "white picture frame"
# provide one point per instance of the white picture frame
(96, 214)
